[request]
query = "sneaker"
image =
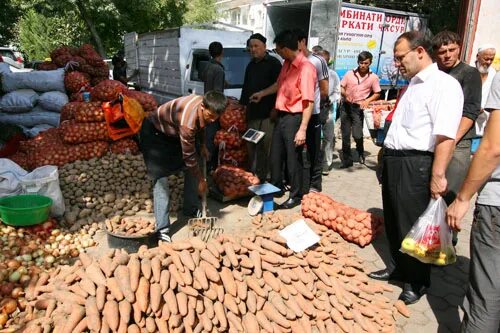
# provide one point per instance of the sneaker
(314, 190)
(163, 235)
(194, 214)
(326, 171)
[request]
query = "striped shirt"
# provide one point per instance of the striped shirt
(322, 74)
(179, 118)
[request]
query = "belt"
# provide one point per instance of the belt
(286, 113)
(407, 153)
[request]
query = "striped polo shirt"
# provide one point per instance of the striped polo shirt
(179, 118)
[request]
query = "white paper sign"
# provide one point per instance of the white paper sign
(299, 236)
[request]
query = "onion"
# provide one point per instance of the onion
(3, 319)
(13, 264)
(25, 280)
(6, 288)
(14, 276)
(9, 305)
(17, 292)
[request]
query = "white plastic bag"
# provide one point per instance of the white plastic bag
(53, 100)
(41, 81)
(45, 181)
(430, 239)
(10, 173)
(18, 101)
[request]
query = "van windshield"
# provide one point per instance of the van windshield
(235, 62)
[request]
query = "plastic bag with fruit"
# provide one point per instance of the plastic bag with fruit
(430, 239)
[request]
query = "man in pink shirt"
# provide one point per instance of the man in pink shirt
(359, 87)
(294, 105)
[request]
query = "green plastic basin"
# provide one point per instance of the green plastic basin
(25, 209)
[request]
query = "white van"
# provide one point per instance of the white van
(170, 61)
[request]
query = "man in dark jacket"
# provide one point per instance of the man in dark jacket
(260, 73)
(214, 80)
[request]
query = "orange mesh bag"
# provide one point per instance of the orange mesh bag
(123, 117)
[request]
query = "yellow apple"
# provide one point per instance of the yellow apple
(408, 244)
(440, 261)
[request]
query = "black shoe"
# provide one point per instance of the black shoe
(346, 165)
(385, 275)
(412, 294)
(361, 159)
(290, 203)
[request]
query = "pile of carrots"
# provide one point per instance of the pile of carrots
(252, 283)
(352, 224)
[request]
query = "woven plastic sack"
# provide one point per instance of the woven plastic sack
(430, 239)
(19, 101)
(53, 100)
(41, 81)
(36, 117)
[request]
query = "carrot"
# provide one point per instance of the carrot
(146, 268)
(150, 325)
(273, 314)
(214, 248)
(111, 314)
(208, 308)
(210, 258)
(100, 296)
(177, 261)
(133, 329)
(81, 327)
(263, 321)
(171, 300)
(230, 303)
(175, 275)
(196, 257)
(272, 281)
(337, 317)
(164, 280)
(92, 314)
(85, 259)
(122, 276)
(156, 268)
(199, 275)
(304, 305)
(186, 277)
(197, 243)
(251, 301)
(125, 309)
(402, 308)
(95, 274)
(246, 262)
(235, 321)
(302, 289)
(182, 245)
(77, 289)
(182, 303)
(211, 294)
(161, 325)
(63, 296)
(154, 297)
(77, 314)
(142, 294)
(189, 320)
(242, 290)
(278, 303)
(228, 281)
(220, 314)
(220, 291)
(199, 306)
(231, 254)
(105, 264)
(254, 285)
(113, 287)
(210, 271)
(187, 260)
(134, 268)
(250, 323)
(206, 322)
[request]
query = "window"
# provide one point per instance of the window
(235, 61)
(7, 54)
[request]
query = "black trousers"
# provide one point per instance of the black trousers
(283, 149)
(351, 122)
(313, 142)
(405, 196)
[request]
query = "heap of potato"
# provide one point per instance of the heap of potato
(352, 224)
(110, 187)
(230, 284)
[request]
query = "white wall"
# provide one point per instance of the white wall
(488, 29)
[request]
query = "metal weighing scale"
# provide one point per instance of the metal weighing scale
(264, 199)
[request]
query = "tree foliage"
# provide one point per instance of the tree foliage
(38, 34)
(9, 15)
(201, 11)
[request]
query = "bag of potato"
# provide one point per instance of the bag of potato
(107, 90)
(73, 132)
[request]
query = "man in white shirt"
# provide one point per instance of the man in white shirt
(484, 58)
(313, 140)
(417, 150)
(328, 139)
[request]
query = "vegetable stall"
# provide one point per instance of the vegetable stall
(56, 276)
